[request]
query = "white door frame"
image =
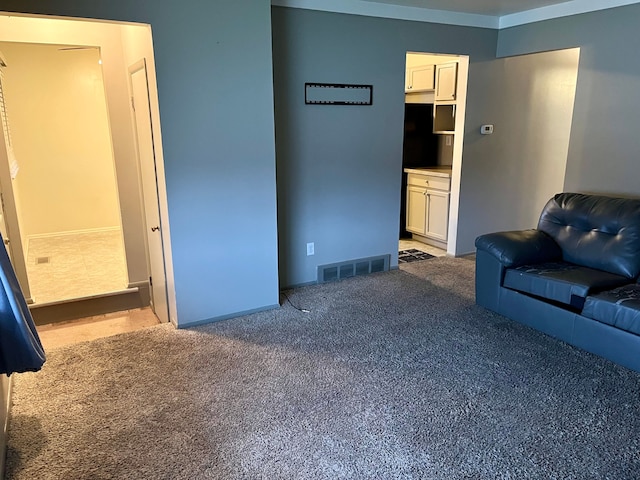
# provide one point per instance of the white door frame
(149, 188)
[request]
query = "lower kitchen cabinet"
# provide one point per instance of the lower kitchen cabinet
(416, 209)
(427, 208)
(437, 214)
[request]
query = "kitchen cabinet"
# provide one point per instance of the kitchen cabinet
(444, 118)
(437, 215)
(420, 78)
(416, 209)
(446, 78)
(428, 204)
(444, 106)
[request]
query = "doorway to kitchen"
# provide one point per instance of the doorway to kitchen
(435, 100)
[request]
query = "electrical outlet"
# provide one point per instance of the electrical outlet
(311, 249)
(448, 141)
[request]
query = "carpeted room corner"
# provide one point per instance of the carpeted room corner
(391, 375)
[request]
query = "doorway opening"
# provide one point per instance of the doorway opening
(63, 174)
(109, 215)
(435, 101)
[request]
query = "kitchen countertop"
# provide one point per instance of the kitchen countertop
(438, 171)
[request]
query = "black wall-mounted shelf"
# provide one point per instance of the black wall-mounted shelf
(337, 94)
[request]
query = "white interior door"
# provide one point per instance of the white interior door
(148, 176)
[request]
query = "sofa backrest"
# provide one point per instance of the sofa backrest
(595, 231)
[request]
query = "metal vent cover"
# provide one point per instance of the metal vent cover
(352, 268)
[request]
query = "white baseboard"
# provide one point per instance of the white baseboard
(74, 232)
(35, 236)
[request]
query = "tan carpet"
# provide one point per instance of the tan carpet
(392, 375)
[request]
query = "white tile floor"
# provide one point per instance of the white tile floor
(75, 266)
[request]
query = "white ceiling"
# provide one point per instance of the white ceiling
(494, 8)
(479, 13)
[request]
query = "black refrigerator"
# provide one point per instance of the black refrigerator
(420, 148)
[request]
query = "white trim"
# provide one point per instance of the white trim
(566, 9)
(74, 232)
(139, 285)
(458, 146)
(44, 16)
(398, 12)
(416, 14)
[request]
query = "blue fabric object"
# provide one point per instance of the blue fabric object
(20, 347)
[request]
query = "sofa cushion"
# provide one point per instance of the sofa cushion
(595, 231)
(562, 282)
(619, 307)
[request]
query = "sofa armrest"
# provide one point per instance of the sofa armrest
(516, 248)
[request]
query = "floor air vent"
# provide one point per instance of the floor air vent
(352, 268)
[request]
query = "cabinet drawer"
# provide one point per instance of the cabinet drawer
(438, 183)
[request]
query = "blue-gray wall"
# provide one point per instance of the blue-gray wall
(215, 84)
(339, 167)
(604, 150)
(508, 177)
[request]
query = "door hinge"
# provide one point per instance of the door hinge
(133, 104)
(150, 282)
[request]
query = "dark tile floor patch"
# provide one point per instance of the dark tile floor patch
(413, 255)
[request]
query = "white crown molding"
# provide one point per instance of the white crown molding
(398, 12)
(566, 9)
(384, 10)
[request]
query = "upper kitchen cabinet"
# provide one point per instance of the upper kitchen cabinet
(420, 78)
(446, 76)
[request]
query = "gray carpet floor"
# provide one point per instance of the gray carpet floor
(391, 375)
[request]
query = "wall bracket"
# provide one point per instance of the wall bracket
(337, 94)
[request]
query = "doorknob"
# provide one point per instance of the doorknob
(155, 229)
(6, 241)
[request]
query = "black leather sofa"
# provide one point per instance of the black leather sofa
(574, 277)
